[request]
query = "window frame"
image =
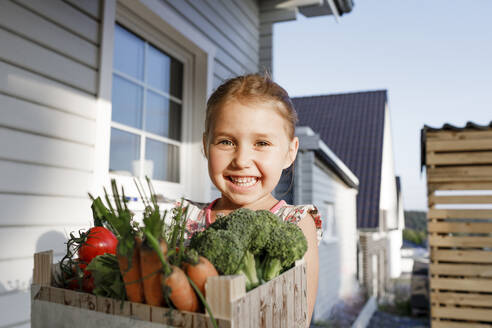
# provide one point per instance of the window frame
(136, 25)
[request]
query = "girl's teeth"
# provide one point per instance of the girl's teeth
(244, 182)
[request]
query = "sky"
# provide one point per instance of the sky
(433, 57)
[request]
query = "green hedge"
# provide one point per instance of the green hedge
(415, 236)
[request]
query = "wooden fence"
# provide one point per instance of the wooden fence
(459, 184)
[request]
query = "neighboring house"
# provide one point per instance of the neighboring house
(92, 90)
(321, 178)
(356, 127)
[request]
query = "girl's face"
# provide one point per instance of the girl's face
(247, 150)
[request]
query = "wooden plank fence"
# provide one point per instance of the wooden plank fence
(460, 226)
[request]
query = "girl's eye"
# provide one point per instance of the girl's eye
(262, 144)
(225, 142)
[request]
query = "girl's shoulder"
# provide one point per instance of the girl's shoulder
(295, 213)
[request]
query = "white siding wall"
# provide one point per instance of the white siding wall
(49, 73)
(49, 59)
(315, 184)
(389, 200)
(233, 26)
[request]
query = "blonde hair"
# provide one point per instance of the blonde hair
(251, 88)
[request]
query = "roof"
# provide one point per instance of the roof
(447, 127)
(308, 140)
(352, 126)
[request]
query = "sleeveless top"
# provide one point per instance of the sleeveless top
(198, 215)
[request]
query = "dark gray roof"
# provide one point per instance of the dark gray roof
(352, 125)
(447, 127)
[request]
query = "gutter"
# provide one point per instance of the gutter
(308, 140)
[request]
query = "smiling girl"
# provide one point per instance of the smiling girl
(249, 139)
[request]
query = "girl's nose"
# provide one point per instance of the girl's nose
(242, 157)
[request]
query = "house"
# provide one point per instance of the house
(319, 177)
(357, 128)
(92, 90)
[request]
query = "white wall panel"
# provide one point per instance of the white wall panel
(37, 149)
(46, 33)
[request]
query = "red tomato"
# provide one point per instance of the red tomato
(99, 241)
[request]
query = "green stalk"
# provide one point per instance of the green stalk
(200, 296)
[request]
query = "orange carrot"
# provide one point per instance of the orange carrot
(182, 294)
(200, 271)
(131, 274)
(151, 269)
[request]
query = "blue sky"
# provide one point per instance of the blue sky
(433, 57)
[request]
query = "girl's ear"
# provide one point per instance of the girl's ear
(292, 154)
(205, 145)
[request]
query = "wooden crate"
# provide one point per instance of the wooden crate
(460, 227)
(281, 302)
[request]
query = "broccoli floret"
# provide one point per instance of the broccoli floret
(227, 252)
(287, 244)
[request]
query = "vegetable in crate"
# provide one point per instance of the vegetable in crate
(257, 244)
(107, 277)
(128, 249)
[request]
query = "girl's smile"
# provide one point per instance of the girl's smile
(247, 150)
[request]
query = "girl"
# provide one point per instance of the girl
(249, 139)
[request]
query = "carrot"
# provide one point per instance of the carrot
(130, 272)
(182, 295)
(200, 271)
(151, 269)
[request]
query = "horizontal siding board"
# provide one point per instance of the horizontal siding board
(456, 145)
(67, 16)
(16, 275)
(475, 199)
(89, 7)
(18, 306)
(226, 46)
(451, 241)
(26, 54)
(250, 21)
(26, 116)
(462, 313)
(35, 239)
(33, 27)
(222, 71)
(460, 173)
(27, 210)
(446, 227)
(43, 180)
(459, 214)
(456, 269)
(474, 285)
(463, 158)
(24, 84)
(250, 9)
(462, 299)
(36, 149)
(458, 135)
(250, 48)
(463, 256)
(245, 30)
(432, 186)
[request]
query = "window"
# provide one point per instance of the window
(329, 222)
(147, 101)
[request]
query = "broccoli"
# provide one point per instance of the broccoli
(286, 245)
(257, 244)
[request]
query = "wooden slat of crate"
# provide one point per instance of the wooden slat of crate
(468, 227)
(459, 158)
(449, 312)
(453, 241)
(451, 324)
(465, 199)
(459, 214)
(459, 173)
(468, 284)
(475, 270)
(433, 186)
(474, 256)
(458, 135)
(469, 299)
(456, 145)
